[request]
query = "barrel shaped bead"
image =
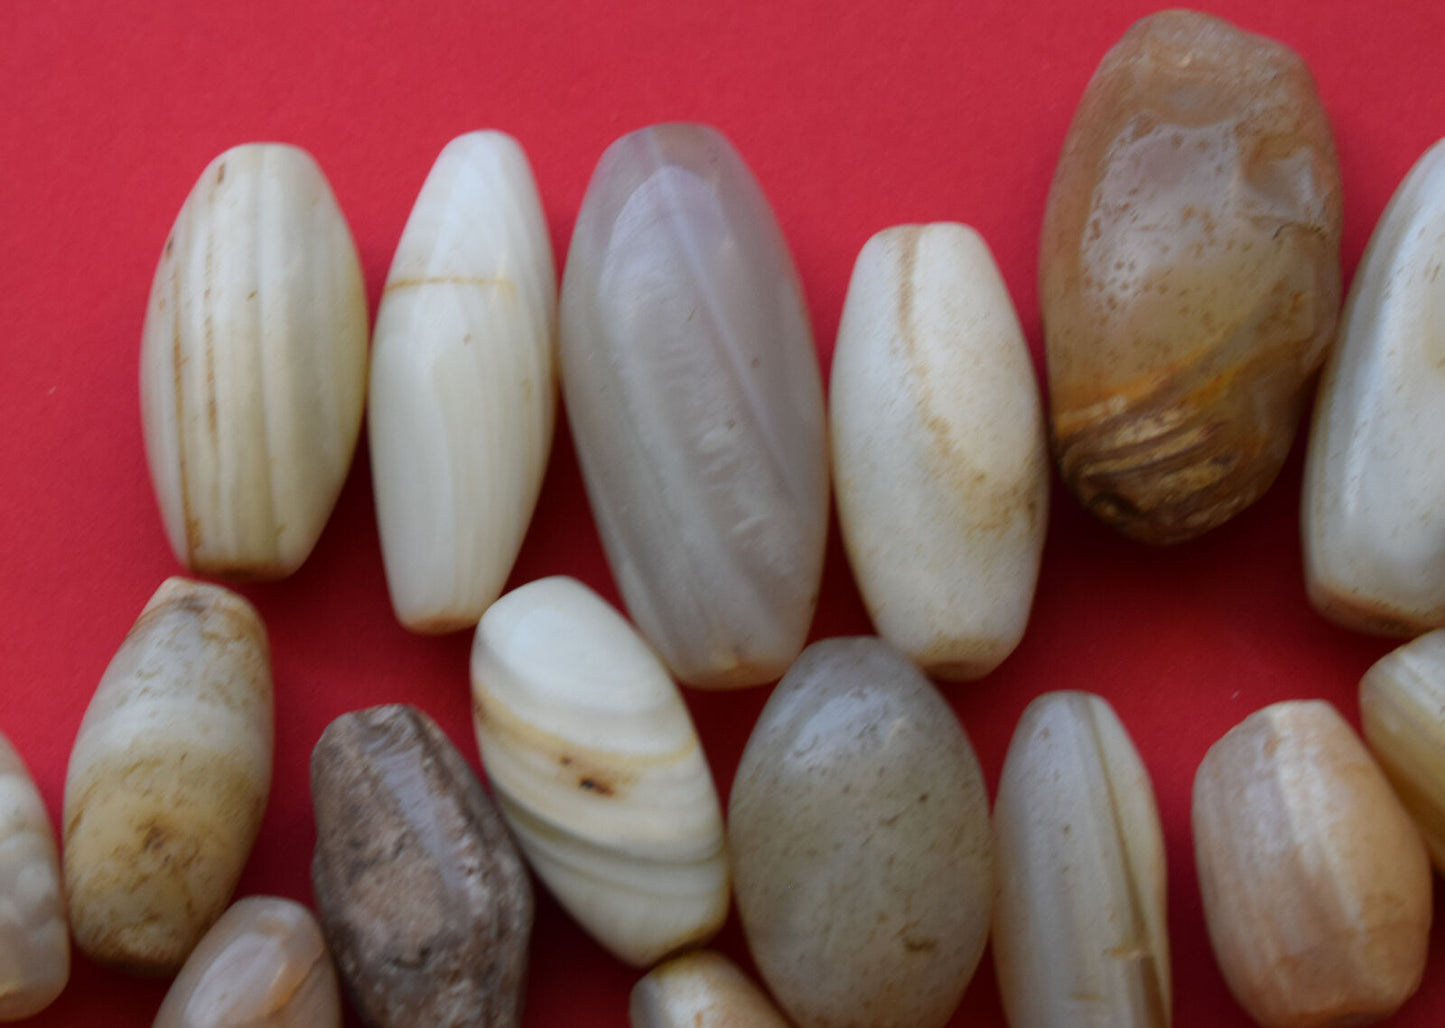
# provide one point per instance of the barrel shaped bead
(1316, 885)
(596, 765)
(940, 460)
(168, 779)
(1079, 930)
(1373, 508)
(463, 387)
(253, 364)
(696, 404)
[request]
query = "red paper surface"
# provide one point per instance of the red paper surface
(853, 116)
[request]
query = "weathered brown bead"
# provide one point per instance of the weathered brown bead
(1316, 885)
(424, 901)
(262, 965)
(1189, 273)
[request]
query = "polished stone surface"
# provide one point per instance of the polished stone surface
(862, 851)
(34, 939)
(701, 990)
(1373, 510)
(696, 404)
(940, 461)
(253, 364)
(463, 391)
(262, 965)
(596, 765)
(1189, 273)
(424, 901)
(1402, 715)
(1079, 927)
(1316, 885)
(168, 778)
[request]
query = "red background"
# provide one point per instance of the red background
(854, 117)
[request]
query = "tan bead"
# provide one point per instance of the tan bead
(701, 990)
(262, 965)
(168, 779)
(1189, 273)
(1316, 884)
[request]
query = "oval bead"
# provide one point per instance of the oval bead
(1373, 511)
(1316, 886)
(939, 456)
(1402, 714)
(168, 778)
(862, 852)
(701, 990)
(596, 766)
(262, 965)
(253, 364)
(425, 904)
(696, 405)
(34, 940)
(463, 384)
(1189, 273)
(1079, 928)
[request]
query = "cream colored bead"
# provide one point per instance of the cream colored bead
(1079, 929)
(253, 364)
(463, 384)
(701, 990)
(168, 779)
(938, 449)
(1402, 712)
(34, 941)
(1373, 509)
(596, 766)
(1316, 885)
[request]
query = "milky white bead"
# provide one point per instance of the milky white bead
(1079, 929)
(596, 766)
(939, 453)
(1374, 489)
(253, 364)
(168, 778)
(34, 942)
(694, 396)
(463, 386)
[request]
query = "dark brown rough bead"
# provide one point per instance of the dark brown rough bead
(425, 904)
(1189, 274)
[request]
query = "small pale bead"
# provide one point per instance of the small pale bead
(424, 901)
(1316, 885)
(262, 965)
(701, 990)
(1189, 273)
(168, 778)
(1374, 491)
(862, 852)
(595, 763)
(1079, 928)
(253, 364)
(939, 455)
(463, 384)
(34, 941)
(696, 404)
(1402, 712)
